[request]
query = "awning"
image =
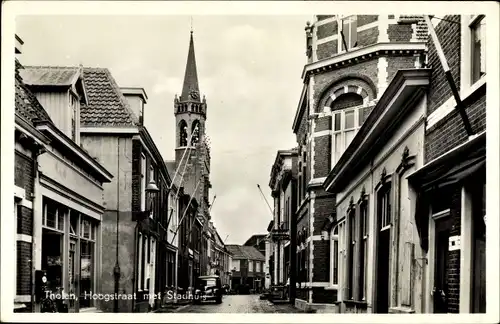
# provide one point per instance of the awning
(452, 167)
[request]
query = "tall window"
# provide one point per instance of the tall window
(336, 255)
(183, 133)
(349, 30)
(478, 31)
(363, 248)
(196, 133)
(250, 265)
(351, 250)
(304, 174)
(143, 182)
(299, 187)
(151, 177)
(384, 205)
(346, 123)
(139, 264)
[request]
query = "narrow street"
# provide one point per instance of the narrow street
(240, 304)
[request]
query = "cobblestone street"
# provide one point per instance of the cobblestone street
(240, 304)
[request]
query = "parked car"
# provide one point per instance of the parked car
(208, 288)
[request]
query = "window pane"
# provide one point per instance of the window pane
(353, 33)
(337, 122)
(51, 215)
(60, 219)
(478, 50)
(349, 120)
(335, 261)
(348, 138)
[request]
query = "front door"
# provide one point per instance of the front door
(440, 290)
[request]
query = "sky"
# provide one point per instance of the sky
(249, 69)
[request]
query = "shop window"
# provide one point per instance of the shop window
(87, 265)
(52, 258)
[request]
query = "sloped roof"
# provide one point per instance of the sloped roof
(107, 106)
(245, 252)
(26, 104)
(258, 238)
(190, 76)
(50, 75)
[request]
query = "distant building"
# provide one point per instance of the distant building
(247, 267)
(258, 241)
(283, 234)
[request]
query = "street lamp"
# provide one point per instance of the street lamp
(151, 191)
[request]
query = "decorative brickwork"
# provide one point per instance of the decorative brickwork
(368, 36)
(326, 50)
(328, 29)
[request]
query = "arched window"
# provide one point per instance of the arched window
(183, 132)
(347, 100)
(195, 129)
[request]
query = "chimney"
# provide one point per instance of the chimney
(19, 45)
(136, 98)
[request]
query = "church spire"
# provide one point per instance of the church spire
(190, 89)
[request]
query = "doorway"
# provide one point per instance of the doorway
(440, 290)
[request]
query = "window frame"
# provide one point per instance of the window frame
(474, 22)
(343, 130)
(139, 263)
(143, 181)
(362, 257)
(351, 252)
(348, 36)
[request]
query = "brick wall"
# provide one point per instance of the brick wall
(323, 17)
(448, 32)
(394, 64)
(321, 261)
(24, 220)
(365, 70)
(322, 156)
(366, 19)
(400, 33)
(23, 276)
(450, 131)
(323, 123)
(328, 29)
(368, 36)
(327, 49)
(324, 206)
(24, 174)
(322, 296)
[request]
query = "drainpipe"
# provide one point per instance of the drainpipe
(39, 150)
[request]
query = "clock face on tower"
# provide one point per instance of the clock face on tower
(194, 94)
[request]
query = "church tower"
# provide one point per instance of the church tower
(191, 141)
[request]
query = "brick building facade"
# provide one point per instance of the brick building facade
(452, 227)
(343, 79)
